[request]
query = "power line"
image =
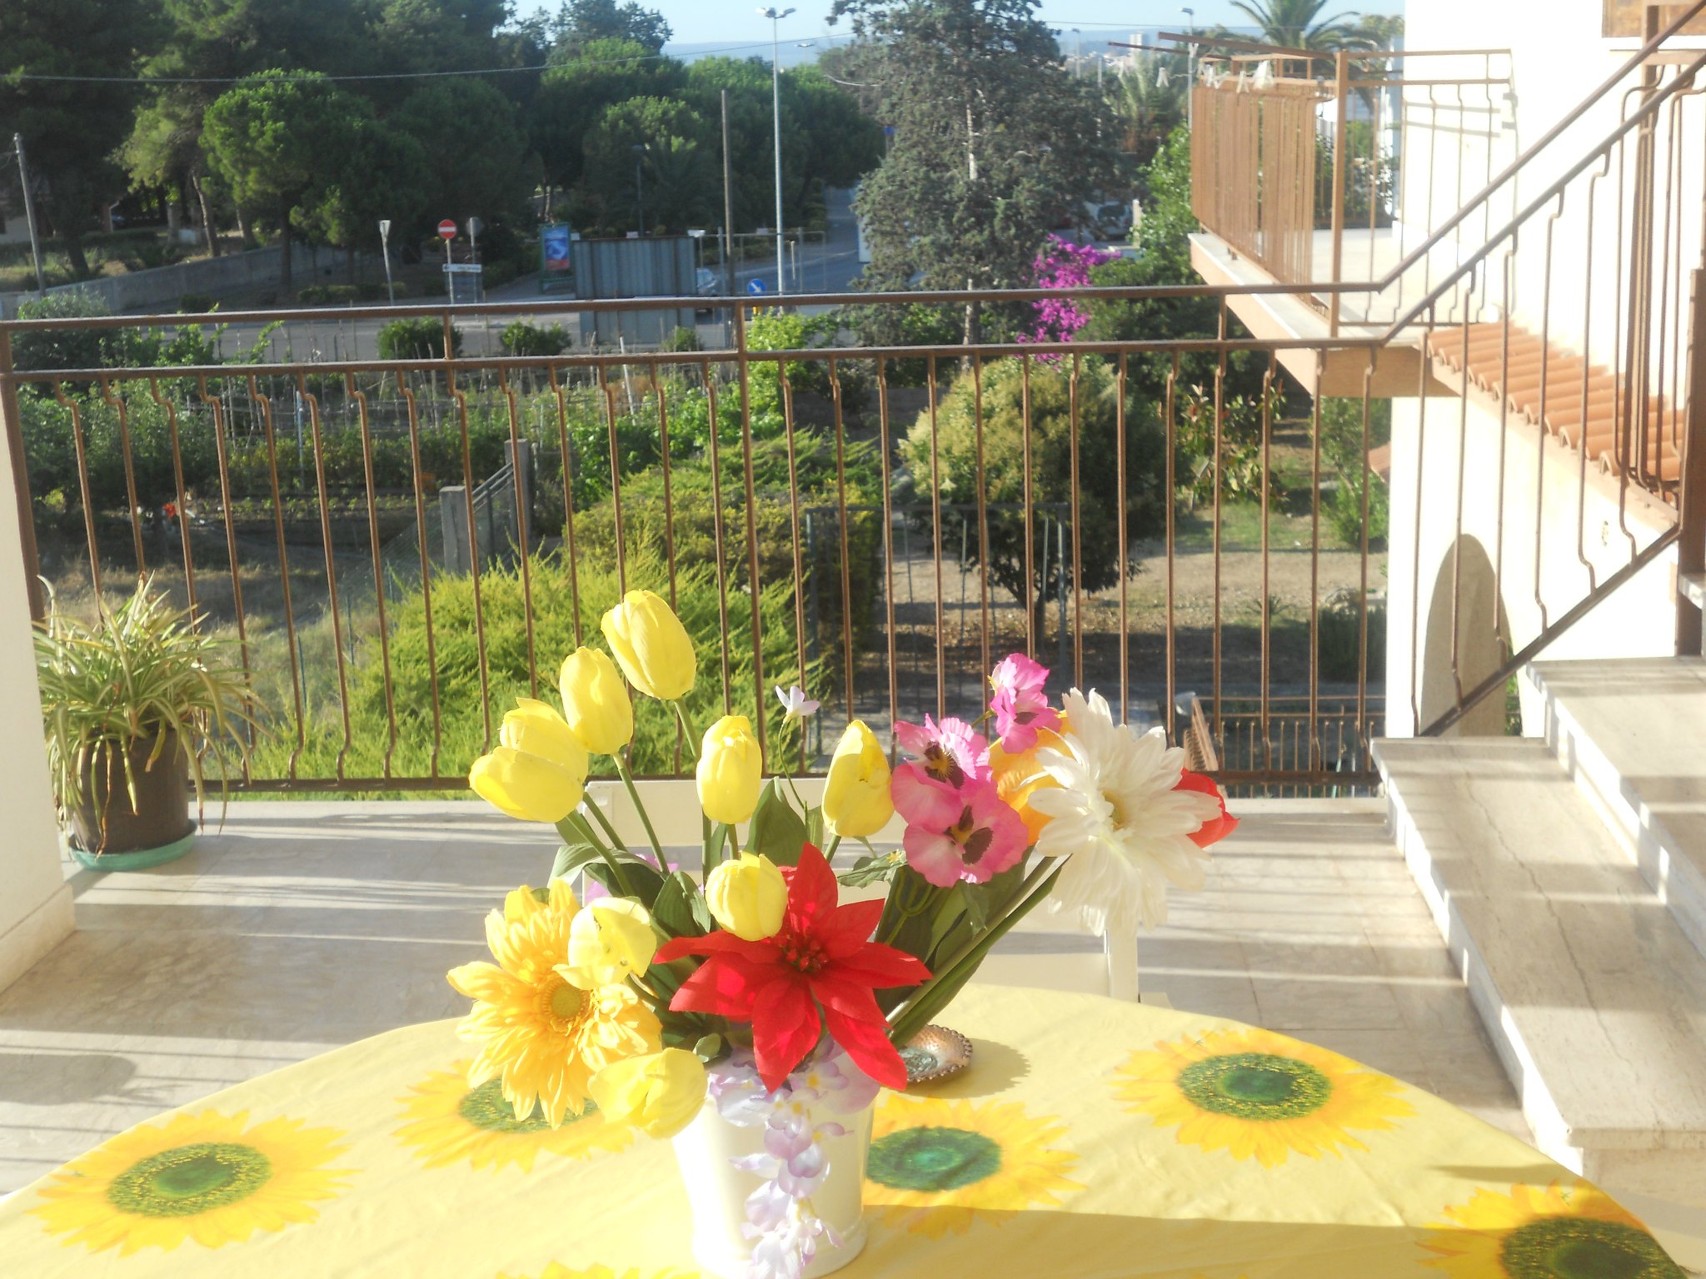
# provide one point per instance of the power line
(377, 75)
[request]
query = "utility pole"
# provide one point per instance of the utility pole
(29, 211)
(728, 207)
(776, 109)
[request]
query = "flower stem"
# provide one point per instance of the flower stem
(829, 850)
(619, 876)
(686, 729)
(645, 817)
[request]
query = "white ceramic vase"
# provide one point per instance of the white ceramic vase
(717, 1191)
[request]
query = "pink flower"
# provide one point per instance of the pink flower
(951, 751)
(953, 834)
(1020, 705)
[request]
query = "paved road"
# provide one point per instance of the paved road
(828, 266)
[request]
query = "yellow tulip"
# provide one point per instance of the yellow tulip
(651, 646)
(731, 770)
(609, 939)
(595, 702)
(747, 897)
(538, 771)
(856, 801)
(658, 1093)
(1018, 777)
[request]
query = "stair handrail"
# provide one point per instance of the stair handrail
(1683, 80)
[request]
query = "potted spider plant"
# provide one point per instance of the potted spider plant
(139, 710)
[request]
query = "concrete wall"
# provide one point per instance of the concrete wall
(1463, 523)
(35, 900)
(159, 289)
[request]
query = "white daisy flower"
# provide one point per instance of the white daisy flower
(795, 703)
(1117, 819)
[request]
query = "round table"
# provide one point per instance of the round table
(1089, 1138)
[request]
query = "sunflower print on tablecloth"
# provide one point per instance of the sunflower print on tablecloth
(449, 1122)
(1259, 1095)
(936, 1163)
(206, 1177)
(1568, 1230)
(556, 1270)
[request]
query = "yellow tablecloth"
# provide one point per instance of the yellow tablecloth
(1090, 1138)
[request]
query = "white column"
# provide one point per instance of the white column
(35, 900)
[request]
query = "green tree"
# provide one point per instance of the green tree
(575, 94)
(676, 162)
(70, 129)
(994, 143)
(583, 22)
(269, 137)
(1057, 400)
(476, 150)
(380, 172)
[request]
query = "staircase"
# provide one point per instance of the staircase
(1567, 874)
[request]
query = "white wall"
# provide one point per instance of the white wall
(35, 900)
(1446, 480)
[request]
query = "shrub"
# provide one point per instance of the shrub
(1339, 625)
(522, 338)
(501, 619)
(196, 303)
(681, 338)
(1002, 481)
(320, 294)
(420, 338)
(1342, 451)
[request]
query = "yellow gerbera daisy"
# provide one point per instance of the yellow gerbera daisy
(1560, 1231)
(935, 1162)
(450, 1122)
(540, 1033)
(557, 1270)
(203, 1177)
(1259, 1095)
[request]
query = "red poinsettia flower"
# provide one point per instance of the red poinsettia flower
(1214, 829)
(821, 958)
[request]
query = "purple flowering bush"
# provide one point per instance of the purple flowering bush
(1062, 265)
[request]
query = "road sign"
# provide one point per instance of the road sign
(447, 229)
(755, 286)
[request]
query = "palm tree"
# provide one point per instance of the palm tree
(1297, 24)
(1148, 102)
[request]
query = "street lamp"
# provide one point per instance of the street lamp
(1078, 53)
(776, 16)
(639, 150)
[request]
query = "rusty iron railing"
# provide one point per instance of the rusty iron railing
(1139, 515)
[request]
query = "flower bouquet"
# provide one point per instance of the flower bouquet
(749, 1011)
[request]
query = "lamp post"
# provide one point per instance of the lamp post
(639, 150)
(776, 16)
(1078, 53)
(1191, 71)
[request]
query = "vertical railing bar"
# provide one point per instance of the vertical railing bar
(1266, 652)
(122, 413)
(609, 396)
(1075, 424)
(570, 555)
(982, 514)
(718, 541)
(353, 391)
(846, 548)
(1032, 638)
(313, 403)
(789, 427)
(80, 447)
(298, 693)
(1463, 325)
(1214, 470)
(222, 460)
(418, 482)
(1313, 663)
(182, 520)
(1362, 556)
(743, 360)
(888, 541)
(459, 397)
(1121, 534)
(936, 543)
(1424, 369)
(1169, 506)
(679, 734)
(521, 489)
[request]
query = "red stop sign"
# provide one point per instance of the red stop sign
(447, 229)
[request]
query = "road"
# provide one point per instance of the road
(827, 266)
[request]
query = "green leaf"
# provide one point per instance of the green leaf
(709, 1048)
(644, 882)
(680, 910)
(571, 857)
(874, 868)
(814, 826)
(954, 907)
(777, 831)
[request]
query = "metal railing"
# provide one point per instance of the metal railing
(1142, 515)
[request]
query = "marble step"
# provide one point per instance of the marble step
(1594, 998)
(1632, 732)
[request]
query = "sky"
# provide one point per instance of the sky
(737, 25)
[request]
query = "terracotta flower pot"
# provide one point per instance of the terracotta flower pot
(105, 822)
